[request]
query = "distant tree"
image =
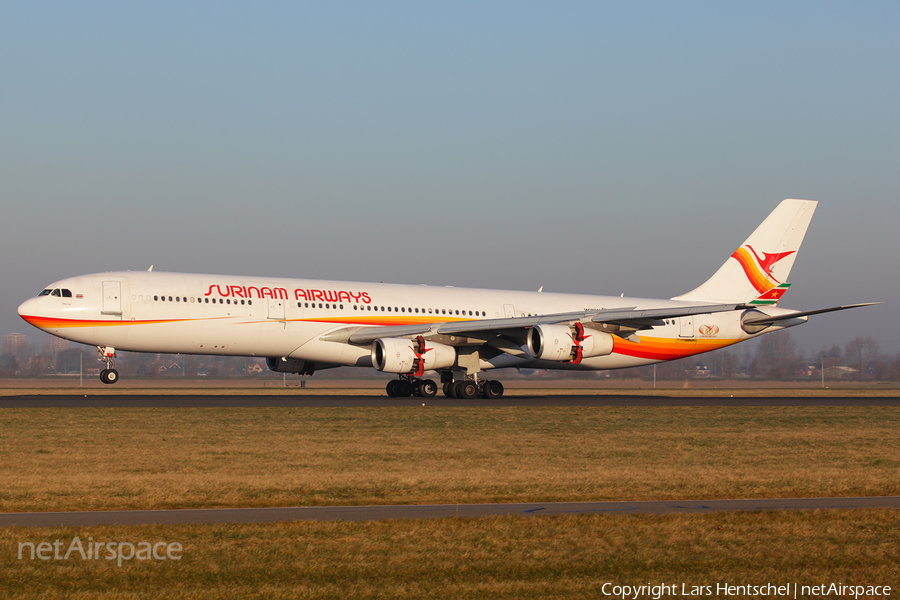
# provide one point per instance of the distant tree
(861, 353)
(729, 364)
(38, 365)
(68, 361)
(9, 365)
(776, 356)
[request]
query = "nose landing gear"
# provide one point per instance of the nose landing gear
(108, 355)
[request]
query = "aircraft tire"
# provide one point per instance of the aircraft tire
(109, 376)
(466, 390)
(404, 389)
(492, 389)
(426, 388)
(449, 390)
(391, 388)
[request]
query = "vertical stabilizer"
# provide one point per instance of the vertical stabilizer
(759, 269)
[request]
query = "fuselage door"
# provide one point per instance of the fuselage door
(112, 298)
(276, 308)
(510, 310)
(687, 327)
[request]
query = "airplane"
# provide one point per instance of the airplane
(303, 326)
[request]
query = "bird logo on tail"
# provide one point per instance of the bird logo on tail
(758, 268)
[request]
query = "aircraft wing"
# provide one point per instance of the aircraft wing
(629, 319)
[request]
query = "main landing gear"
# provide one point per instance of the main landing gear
(108, 355)
(411, 386)
(469, 388)
(408, 385)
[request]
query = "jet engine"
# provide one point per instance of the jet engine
(563, 343)
(290, 365)
(412, 357)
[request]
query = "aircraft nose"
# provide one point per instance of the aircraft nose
(28, 308)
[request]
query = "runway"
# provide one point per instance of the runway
(329, 401)
(430, 511)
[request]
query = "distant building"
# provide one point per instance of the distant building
(698, 370)
(54, 345)
(14, 344)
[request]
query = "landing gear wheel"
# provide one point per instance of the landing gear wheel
(426, 388)
(492, 389)
(109, 376)
(465, 390)
(449, 390)
(391, 388)
(403, 388)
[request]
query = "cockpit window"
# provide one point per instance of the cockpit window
(44, 293)
(55, 292)
(67, 293)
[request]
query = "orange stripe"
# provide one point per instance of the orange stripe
(56, 323)
(666, 349)
(757, 278)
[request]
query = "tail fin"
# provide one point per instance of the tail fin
(756, 271)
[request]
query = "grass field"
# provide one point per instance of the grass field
(120, 458)
(144, 458)
(510, 557)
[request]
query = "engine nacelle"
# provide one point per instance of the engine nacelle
(563, 343)
(289, 365)
(412, 357)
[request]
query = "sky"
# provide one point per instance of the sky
(588, 147)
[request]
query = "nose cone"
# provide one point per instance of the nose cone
(28, 310)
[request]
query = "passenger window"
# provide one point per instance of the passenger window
(170, 298)
(355, 307)
(156, 298)
(206, 300)
(389, 309)
(177, 299)
(342, 307)
(249, 302)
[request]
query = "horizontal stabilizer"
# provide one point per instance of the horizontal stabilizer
(769, 319)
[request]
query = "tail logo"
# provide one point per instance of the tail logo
(758, 269)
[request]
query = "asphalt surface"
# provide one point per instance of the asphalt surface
(431, 511)
(188, 401)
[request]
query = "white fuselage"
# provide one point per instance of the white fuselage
(271, 317)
